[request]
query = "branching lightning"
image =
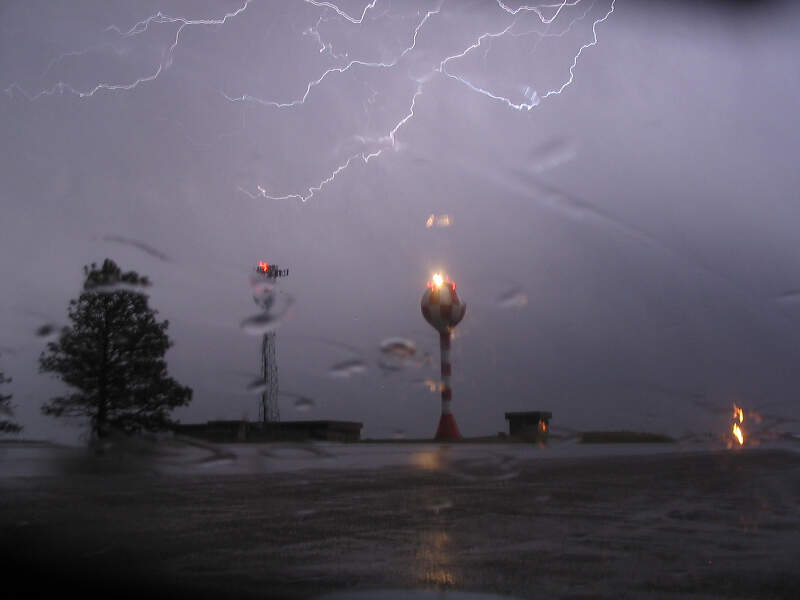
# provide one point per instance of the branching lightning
(534, 99)
(140, 27)
(353, 63)
(547, 15)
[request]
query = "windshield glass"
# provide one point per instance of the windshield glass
(400, 298)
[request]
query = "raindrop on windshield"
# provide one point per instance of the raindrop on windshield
(431, 384)
(399, 353)
(118, 286)
(48, 331)
(439, 505)
(398, 347)
(514, 298)
(260, 324)
(257, 386)
(146, 248)
(268, 321)
(347, 368)
(551, 154)
(303, 404)
(264, 292)
(438, 221)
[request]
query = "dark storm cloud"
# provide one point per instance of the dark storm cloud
(624, 247)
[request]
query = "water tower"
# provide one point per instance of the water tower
(443, 309)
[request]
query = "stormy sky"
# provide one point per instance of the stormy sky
(622, 216)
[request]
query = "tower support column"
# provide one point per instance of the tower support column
(447, 430)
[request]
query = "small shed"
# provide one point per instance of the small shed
(530, 425)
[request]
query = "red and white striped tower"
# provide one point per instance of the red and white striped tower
(443, 309)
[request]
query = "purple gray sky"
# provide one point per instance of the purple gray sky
(622, 214)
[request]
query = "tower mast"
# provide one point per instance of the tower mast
(268, 411)
(264, 296)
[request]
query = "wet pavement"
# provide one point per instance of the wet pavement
(675, 525)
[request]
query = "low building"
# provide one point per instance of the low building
(332, 431)
(533, 425)
(246, 431)
(216, 431)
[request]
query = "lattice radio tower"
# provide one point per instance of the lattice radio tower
(264, 296)
(268, 410)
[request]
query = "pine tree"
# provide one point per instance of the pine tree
(113, 357)
(6, 425)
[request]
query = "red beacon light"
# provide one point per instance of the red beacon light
(271, 270)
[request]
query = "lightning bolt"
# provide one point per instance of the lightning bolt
(314, 83)
(533, 97)
(140, 27)
(343, 14)
(547, 14)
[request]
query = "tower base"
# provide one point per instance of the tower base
(447, 430)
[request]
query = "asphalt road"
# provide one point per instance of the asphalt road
(704, 525)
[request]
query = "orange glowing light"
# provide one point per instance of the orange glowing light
(738, 418)
(438, 280)
(737, 433)
(263, 266)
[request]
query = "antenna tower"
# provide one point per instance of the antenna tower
(268, 411)
(264, 296)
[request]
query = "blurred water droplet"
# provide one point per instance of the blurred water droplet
(398, 347)
(48, 331)
(567, 206)
(264, 299)
(260, 324)
(385, 365)
(291, 450)
(216, 461)
(514, 298)
(347, 368)
(268, 321)
(487, 468)
(438, 221)
(491, 467)
(146, 248)
(789, 297)
(118, 286)
(400, 353)
(551, 154)
(257, 386)
(439, 505)
(264, 291)
(433, 386)
(303, 404)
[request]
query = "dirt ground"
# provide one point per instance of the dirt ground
(705, 525)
